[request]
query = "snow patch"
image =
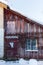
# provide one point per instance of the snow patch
(4, 1)
(40, 63)
(29, 62)
(22, 62)
(2, 62)
(33, 62)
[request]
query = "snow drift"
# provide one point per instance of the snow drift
(33, 62)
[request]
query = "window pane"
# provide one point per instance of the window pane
(18, 26)
(28, 44)
(10, 27)
(34, 42)
(22, 25)
(26, 27)
(28, 47)
(33, 45)
(34, 48)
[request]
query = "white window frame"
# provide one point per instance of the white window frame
(33, 49)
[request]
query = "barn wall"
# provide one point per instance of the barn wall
(24, 30)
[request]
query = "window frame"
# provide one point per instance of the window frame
(33, 46)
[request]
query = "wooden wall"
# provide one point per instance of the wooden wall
(25, 29)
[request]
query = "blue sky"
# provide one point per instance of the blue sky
(32, 9)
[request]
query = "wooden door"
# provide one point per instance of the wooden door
(11, 48)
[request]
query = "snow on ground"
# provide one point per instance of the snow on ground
(33, 61)
(40, 63)
(21, 62)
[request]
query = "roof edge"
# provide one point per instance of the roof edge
(26, 18)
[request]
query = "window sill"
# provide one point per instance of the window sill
(32, 50)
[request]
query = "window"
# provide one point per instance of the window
(18, 26)
(39, 29)
(31, 28)
(10, 27)
(22, 25)
(34, 28)
(31, 44)
(26, 27)
(40, 41)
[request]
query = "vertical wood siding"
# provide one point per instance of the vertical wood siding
(27, 30)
